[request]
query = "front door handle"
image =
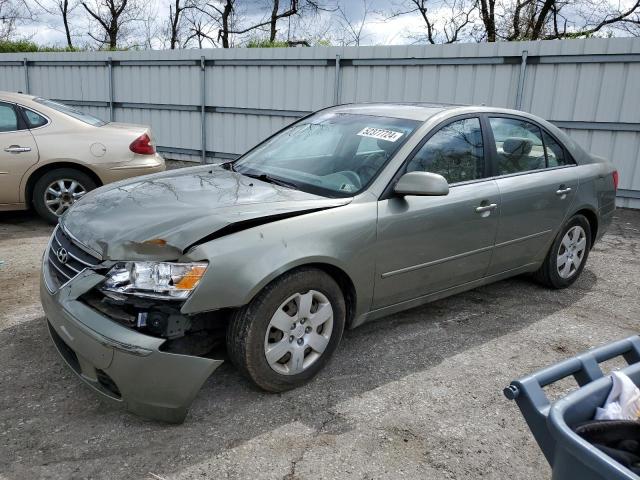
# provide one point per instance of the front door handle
(486, 208)
(563, 191)
(17, 149)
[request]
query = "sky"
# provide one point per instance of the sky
(378, 29)
(381, 27)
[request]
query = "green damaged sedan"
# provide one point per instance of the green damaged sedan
(350, 214)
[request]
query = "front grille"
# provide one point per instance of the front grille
(66, 259)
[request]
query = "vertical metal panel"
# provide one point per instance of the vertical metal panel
(521, 78)
(336, 83)
(111, 92)
(26, 76)
(203, 106)
(307, 79)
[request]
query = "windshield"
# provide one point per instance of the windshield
(72, 112)
(333, 154)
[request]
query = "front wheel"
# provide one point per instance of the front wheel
(567, 255)
(289, 331)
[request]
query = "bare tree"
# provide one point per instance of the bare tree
(65, 10)
(446, 21)
(276, 15)
(554, 19)
(220, 13)
(353, 26)
(12, 14)
(198, 28)
(112, 17)
(62, 9)
(488, 16)
(177, 10)
(149, 28)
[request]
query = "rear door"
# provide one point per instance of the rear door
(537, 185)
(18, 152)
(429, 244)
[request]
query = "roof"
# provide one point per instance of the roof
(409, 111)
(422, 111)
(15, 97)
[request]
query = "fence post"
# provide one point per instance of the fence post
(203, 105)
(26, 76)
(110, 72)
(337, 86)
(523, 70)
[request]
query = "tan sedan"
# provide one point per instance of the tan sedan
(52, 154)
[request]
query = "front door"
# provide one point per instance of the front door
(18, 152)
(430, 244)
(537, 186)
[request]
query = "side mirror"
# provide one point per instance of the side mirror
(422, 184)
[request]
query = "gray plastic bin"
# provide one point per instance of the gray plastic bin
(552, 425)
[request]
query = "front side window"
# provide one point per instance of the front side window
(71, 112)
(8, 118)
(333, 154)
(455, 151)
(518, 144)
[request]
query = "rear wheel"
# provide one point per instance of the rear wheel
(568, 254)
(57, 190)
(289, 331)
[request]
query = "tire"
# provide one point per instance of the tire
(553, 273)
(251, 330)
(70, 178)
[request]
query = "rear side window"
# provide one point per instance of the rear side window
(518, 144)
(455, 151)
(556, 156)
(70, 111)
(34, 120)
(8, 118)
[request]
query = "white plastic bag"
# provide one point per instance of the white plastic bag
(623, 401)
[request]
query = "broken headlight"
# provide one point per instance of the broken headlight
(165, 280)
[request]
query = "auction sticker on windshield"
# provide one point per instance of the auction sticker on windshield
(380, 134)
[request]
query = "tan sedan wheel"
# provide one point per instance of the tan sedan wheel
(56, 191)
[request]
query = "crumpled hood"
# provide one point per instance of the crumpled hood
(159, 216)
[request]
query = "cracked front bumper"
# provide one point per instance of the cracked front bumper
(124, 366)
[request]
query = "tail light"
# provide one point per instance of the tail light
(142, 145)
(615, 179)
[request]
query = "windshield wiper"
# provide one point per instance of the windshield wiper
(269, 179)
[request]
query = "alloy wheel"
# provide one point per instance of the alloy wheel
(61, 194)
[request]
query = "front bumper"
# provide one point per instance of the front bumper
(124, 366)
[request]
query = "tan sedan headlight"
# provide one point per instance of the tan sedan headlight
(168, 280)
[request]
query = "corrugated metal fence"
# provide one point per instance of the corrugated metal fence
(217, 103)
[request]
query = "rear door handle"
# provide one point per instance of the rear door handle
(486, 208)
(563, 191)
(17, 149)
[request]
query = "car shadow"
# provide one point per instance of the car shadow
(51, 422)
(21, 224)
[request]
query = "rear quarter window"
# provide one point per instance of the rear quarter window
(34, 119)
(556, 154)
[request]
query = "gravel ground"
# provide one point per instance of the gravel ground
(415, 395)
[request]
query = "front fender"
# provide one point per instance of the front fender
(241, 264)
